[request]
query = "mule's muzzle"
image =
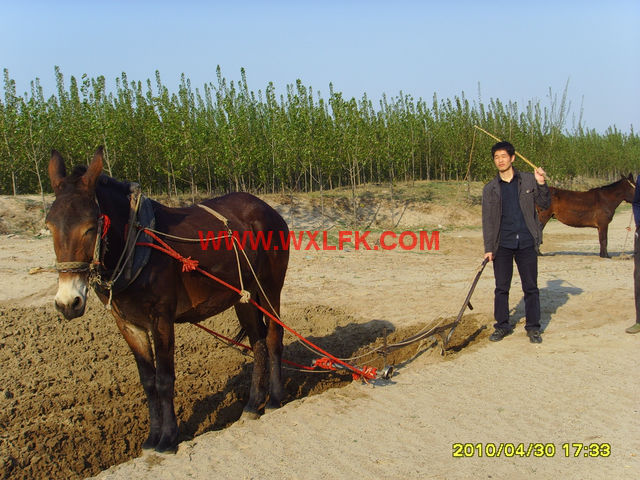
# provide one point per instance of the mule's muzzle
(73, 310)
(71, 298)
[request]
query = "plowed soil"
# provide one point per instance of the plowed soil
(71, 404)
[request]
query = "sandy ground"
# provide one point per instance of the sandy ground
(576, 387)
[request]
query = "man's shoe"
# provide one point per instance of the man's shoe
(635, 328)
(499, 334)
(534, 336)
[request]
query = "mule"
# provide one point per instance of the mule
(593, 208)
(162, 294)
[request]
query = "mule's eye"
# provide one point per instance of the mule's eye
(90, 230)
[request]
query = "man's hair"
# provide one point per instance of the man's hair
(503, 146)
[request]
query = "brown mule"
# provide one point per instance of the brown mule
(593, 208)
(162, 294)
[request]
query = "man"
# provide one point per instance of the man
(636, 258)
(511, 230)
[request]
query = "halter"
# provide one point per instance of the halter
(94, 268)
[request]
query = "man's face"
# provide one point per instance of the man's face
(503, 160)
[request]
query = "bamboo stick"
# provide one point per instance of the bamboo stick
(498, 140)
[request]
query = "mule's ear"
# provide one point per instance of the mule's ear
(57, 170)
(94, 170)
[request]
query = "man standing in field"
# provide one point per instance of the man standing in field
(511, 230)
(636, 258)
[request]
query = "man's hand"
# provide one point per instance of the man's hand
(489, 255)
(540, 175)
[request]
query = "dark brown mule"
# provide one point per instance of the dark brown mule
(162, 294)
(593, 208)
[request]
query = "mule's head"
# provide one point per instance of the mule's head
(629, 188)
(73, 221)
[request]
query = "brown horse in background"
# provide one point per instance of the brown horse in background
(593, 208)
(162, 293)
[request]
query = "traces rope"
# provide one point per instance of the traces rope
(245, 295)
(188, 264)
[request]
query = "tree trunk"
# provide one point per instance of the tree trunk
(106, 156)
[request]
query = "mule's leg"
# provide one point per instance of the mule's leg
(138, 340)
(164, 342)
(602, 235)
(274, 346)
(251, 321)
(278, 261)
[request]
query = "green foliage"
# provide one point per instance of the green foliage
(224, 137)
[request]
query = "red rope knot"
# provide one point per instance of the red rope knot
(188, 264)
(368, 373)
(324, 362)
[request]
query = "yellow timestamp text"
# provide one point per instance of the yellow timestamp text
(535, 449)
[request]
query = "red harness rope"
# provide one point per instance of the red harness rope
(247, 347)
(188, 264)
(106, 223)
(329, 362)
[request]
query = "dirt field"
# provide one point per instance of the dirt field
(71, 404)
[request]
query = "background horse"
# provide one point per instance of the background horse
(162, 294)
(593, 208)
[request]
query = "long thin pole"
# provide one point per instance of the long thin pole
(498, 140)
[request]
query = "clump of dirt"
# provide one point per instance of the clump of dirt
(22, 214)
(71, 403)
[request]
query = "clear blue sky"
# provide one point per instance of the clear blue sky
(514, 50)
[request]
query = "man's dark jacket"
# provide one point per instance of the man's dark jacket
(636, 203)
(530, 194)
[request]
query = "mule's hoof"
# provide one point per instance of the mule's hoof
(150, 443)
(166, 446)
(249, 415)
(169, 449)
(271, 407)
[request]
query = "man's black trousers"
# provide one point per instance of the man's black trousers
(527, 262)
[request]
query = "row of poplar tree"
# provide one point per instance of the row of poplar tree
(223, 136)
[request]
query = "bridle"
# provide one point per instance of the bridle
(95, 268)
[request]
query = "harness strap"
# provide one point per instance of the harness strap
(72, 267)
(219, 216)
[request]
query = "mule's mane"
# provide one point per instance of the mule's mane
(104, 181)
(123, 187)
